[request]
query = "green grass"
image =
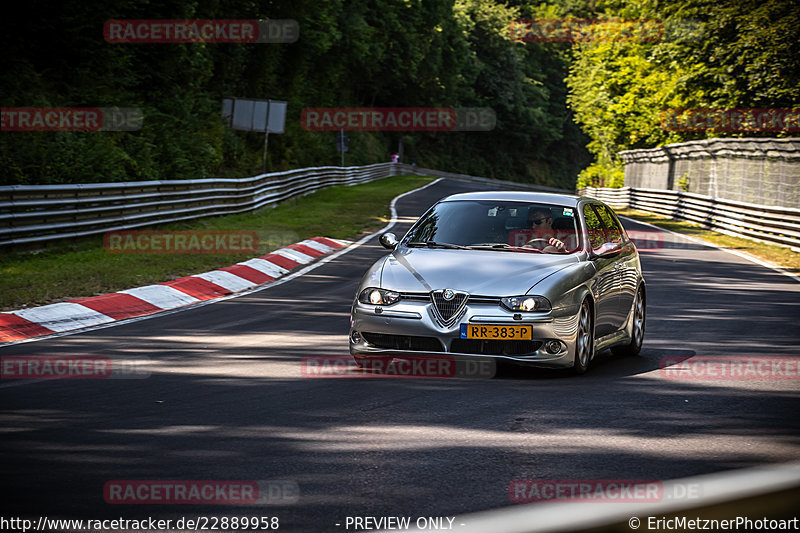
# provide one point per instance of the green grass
(80, 269)
(777, 255)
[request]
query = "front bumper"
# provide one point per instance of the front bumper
(410, 328)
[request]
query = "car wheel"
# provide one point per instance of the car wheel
(584, 344)
(637, 335)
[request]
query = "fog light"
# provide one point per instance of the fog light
(355, 337)
(552, 347)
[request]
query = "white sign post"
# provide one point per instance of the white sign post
(246, 114)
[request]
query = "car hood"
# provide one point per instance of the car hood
(479, 272)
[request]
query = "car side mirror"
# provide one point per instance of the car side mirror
(609, 249)
(389, 241)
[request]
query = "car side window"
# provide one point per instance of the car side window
(594, 227)
(613, 229)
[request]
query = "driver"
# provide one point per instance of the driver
(541, 222)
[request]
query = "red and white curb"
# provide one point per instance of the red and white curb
(97, 310)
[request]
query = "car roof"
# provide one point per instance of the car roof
(520, 196)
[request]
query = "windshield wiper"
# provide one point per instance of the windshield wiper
(434, 244)
(504, 247)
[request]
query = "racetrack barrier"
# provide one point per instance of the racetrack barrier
(31, 214)
(766, 496)
(42, 213)
(763, 223)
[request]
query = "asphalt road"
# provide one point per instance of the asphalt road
(226, 401)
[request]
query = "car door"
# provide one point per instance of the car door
(625, 265)
(628, 262)
(606, 280)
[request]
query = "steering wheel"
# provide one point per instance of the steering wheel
(547, 245)
(545, 241)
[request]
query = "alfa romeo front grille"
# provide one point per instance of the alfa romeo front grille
(448, 304)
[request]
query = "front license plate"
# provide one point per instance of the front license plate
(515, 332)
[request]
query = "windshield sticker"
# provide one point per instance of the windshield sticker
(568, 212)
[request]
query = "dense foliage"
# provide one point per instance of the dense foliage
(376, 53)
(553, 100)
(714, 54)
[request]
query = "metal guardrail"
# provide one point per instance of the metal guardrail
(760, 494)
(763, 223)
(41, 213)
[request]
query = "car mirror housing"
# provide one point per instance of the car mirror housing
(389, 241)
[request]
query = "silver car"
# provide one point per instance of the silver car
(537, 279)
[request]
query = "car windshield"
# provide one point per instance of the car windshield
(497, 225)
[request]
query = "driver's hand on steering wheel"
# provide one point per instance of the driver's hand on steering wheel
(552, 241)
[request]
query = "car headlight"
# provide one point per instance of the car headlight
(373, 296)
(526, 304)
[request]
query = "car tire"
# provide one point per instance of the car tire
(637, 337)
(584, 342)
